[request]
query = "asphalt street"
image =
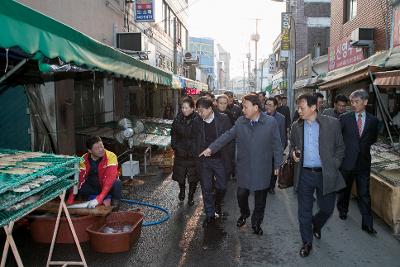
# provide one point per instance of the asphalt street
(182, 241)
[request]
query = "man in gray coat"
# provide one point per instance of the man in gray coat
(317, 147)
(258, 143)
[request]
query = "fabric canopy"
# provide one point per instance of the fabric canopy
(387, 59)
(43, 37)
(387, 79)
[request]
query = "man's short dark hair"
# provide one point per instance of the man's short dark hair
(91, 141)
(204, 102)
(228, 93)
(273, 99)
(189, 101)
(318, 95)
(310, 99)
(341, 98)
(278, 97)
(284, 97)
(253, 98)
(261, 93)
(207, 94)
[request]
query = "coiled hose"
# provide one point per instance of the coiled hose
(163, 219)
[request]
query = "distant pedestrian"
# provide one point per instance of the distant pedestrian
(209, 128)
(339, 107)
(233, 108)
(316, 146)
(360, 131)
(183, 140)
(258, 143)
(284, 110)
(261, 98)
(222, 107)
(271, 106)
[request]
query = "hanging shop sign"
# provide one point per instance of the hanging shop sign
(396, 26)
(303, 68)
(144, 10)
(343, 54)
(285, 34)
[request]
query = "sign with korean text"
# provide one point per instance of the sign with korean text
(303, 68)
(285, 35)
(343, 54)
(144, 10)
(396, 26)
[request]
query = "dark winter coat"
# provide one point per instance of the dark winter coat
(222, 124)
(183, 143)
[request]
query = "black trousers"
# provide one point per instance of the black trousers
(260, 198)
(90, 188)
(363, 195)
(309, 183)
(210, 168)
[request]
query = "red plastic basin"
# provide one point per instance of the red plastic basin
(116, 242)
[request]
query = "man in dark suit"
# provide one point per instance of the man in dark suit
(209, 127)
(271, 106)
(360, 131)
(316, 146)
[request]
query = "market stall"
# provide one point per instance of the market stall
(28, 180)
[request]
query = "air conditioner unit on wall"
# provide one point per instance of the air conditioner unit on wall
(362, 37)
(132, 41)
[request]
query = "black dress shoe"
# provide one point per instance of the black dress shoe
(369, 229)
(342, 215)
(207, 221)
(257, 230)
(241, 221)
(316, 232)
(305, 250)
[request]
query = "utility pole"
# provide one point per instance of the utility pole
(256, 39)
(175, 49)
(248, 70)
(244, 77)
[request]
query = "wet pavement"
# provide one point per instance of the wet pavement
(182, 241)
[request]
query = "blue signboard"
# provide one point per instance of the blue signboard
(144, 10)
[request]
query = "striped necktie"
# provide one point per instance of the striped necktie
(359, 124)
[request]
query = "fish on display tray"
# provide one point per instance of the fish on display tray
(17, 171)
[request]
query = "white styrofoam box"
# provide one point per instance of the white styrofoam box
(130, 168)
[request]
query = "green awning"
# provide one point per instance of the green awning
(44, 37)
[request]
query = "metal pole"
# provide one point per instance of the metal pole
(255, 62)
(17, 67)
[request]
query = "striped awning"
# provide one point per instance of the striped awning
(387, 79)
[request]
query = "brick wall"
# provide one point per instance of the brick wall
(317, 9)
(370, 14)
(318, 35)
(308, 37)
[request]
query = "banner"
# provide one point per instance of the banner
(285, 35)
(144, 11)
(343, 54)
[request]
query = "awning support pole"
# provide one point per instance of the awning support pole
(17, 67)
(385, 114)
